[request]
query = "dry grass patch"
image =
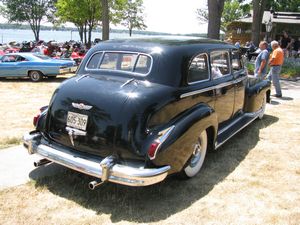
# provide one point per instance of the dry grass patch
(253, 179)
(20, 102)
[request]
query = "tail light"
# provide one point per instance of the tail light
(37, 117)
(155, 145)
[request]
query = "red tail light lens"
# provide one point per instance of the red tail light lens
(37, 117)
(153, 149)
(155, 145)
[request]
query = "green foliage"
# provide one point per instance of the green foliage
(250, 68)
(29, 11)
(131, 15)
(284, 5)
(79, 12)
(233, 10)
(290, 68)
(85, 14)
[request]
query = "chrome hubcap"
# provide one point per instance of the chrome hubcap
(196, 155)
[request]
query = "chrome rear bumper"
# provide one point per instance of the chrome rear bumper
(107, 169)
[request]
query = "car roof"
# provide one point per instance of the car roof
(166, 43)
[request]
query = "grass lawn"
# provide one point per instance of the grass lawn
(20, 101)
(253, 179)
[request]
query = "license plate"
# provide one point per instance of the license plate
(77, 120)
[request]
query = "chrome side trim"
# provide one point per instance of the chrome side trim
(131, 174)
(206, 89)
(253, 115)
(212, 87)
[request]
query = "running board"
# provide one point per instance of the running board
(234, 127)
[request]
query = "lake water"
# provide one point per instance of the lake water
(8, 35)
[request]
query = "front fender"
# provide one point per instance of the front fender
(178, 147)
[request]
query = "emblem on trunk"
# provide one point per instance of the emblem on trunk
(81, 106)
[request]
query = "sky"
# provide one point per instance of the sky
(174, 16)
(170, 16)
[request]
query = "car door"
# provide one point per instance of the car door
(223, 81)
(10, 66)
(240, 76)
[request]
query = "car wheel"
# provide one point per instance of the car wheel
(263, 108)
(35, 76)
(197, 158)
(51, 77)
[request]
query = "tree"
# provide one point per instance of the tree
(233, 10)
(29, 11)
(215, 9)
(258, 12)
(105, 19)
(85, 14)
(283, 5)
(132, 15)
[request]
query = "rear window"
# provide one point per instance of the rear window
(120, 61)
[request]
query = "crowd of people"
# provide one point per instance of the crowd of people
(290, 46)
(271, 54)
(71, 49)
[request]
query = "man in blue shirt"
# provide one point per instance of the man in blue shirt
(261, 61)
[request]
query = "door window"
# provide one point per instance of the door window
(198, 69)
(219, 64)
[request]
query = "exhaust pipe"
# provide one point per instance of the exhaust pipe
(41, 162)
(94, 184)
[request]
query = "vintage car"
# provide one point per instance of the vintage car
(34, 66)
(141, 109)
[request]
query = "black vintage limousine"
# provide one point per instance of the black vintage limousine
(141, 109)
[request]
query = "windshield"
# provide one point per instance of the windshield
(137, 63)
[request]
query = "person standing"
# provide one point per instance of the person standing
(276, 61)
(261, 61)
(285, 43)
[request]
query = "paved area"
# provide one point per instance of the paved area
(16, 165)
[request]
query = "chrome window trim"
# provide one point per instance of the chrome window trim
(188, 94)
(229, 61)
(208, 69)
(98, 64)
(120, 71)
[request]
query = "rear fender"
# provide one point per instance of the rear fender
(178, 147)
(255, 94)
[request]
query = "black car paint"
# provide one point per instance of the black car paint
(125, 119)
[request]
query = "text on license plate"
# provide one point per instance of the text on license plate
(77, 120)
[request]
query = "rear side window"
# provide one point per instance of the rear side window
(94, 61)
(236, 62)
(143, 64)
(219, 64)
(198, 70)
